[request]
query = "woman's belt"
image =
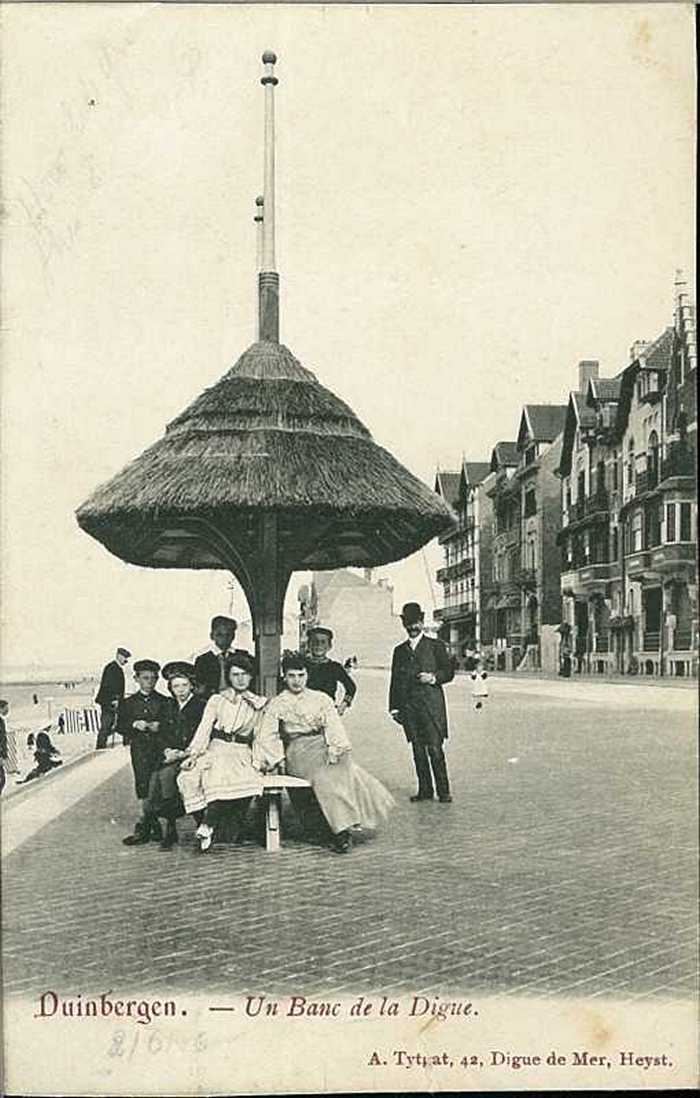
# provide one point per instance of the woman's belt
(296, 734)
(232, 737)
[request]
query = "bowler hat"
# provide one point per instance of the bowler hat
(179, 668)
(146, 665)
(124, 652)
(321, 630)
(411, 613)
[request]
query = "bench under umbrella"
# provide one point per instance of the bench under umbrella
(266, 473)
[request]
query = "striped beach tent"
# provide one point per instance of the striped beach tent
(83, 719)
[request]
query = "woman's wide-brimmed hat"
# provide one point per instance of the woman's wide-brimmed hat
(179, 669)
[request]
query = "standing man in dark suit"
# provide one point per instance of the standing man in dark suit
(110, 695)
(210, 667)
(419, 669)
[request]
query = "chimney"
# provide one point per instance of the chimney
(638, 348)
(268, 279)
(587, 369)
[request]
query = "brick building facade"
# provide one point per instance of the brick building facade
(629, 573)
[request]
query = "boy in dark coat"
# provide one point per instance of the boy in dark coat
(186, 709)
(144, 721)
(420, 667)
(326, 674)
(210, 667)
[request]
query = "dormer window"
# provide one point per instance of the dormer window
(531, 454)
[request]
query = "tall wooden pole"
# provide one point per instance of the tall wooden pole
(268, 279)
(271, 583)
(258, 219)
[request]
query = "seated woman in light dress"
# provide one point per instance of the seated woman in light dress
(318, 750)
(227, 753)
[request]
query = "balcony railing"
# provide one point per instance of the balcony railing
(601, 644)
(651, 642)
(455, 611)
(455, 570)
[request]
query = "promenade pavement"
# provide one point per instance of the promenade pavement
(566, 865)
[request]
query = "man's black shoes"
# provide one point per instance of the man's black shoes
(421, 797)
(446, 798)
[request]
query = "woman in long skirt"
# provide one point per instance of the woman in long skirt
(225, 758)
(318, 750)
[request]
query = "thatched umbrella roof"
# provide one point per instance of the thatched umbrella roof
(265, 473)
(266, 437)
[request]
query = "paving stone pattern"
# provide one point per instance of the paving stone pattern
(566, 865)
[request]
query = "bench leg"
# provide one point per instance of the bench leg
(272, 823)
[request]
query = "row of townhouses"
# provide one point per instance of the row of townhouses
(575, 545)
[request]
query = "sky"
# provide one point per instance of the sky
(469, 201)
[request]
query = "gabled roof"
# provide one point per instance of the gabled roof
(584, 415)
(541, 422)
(475, 472)
(605, 389)
(447, 485)
(577, 415)
(504, 454)
(657, 356)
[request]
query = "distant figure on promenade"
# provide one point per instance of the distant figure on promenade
(227, 754)
(419, 669)
(110, 695)
(318, 750)
(44, 756)
(210, 667)
(144, 720)
(164, 799)
(4, 748)
(480, 690)
(326, 674)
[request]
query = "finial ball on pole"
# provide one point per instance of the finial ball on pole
(269, 58)
(260, 201)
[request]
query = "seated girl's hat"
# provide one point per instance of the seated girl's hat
(146, 665)
(179, 668)
(241, 660)
(320, 631)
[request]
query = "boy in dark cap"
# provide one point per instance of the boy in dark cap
(419, 668)
(144, 722)
(210, 667)
(325, 674)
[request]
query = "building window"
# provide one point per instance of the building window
(670, 522)
(630, 464)
(530, 503)
(615, 543)
(530, 455)
(600, 478)
(636, 532)
(653, 460)
(653, 527)
(685, 522)
(614, 471)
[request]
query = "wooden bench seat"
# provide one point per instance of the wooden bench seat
(274, 784)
